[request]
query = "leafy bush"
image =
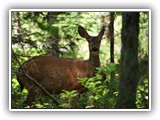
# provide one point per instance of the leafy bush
(68, 98)
(99, 94)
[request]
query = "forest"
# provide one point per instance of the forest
(121, 81)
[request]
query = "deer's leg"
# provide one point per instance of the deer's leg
(31, 96)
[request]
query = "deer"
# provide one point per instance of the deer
(56, 74)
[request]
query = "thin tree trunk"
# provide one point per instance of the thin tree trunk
(111, 37)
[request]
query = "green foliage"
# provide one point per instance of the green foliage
(99, 94)
(143, 84)
(67, 94)
(68, 98)
(142, 95)
(29, 36)
(18, 98)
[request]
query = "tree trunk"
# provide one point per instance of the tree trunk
(129, 61)
(111, 37)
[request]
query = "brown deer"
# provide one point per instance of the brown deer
(56, 74)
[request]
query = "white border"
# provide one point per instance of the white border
(10, 39)
(150, 76)
(81, 10)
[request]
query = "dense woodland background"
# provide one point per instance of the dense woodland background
(55, 33)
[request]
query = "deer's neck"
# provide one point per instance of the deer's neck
(94, 59)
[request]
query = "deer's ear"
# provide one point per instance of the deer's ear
(101, 33)
(82, 32)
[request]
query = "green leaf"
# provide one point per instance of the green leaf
(90, 106)
(64, 105)
(111, 67)
(112, 100)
